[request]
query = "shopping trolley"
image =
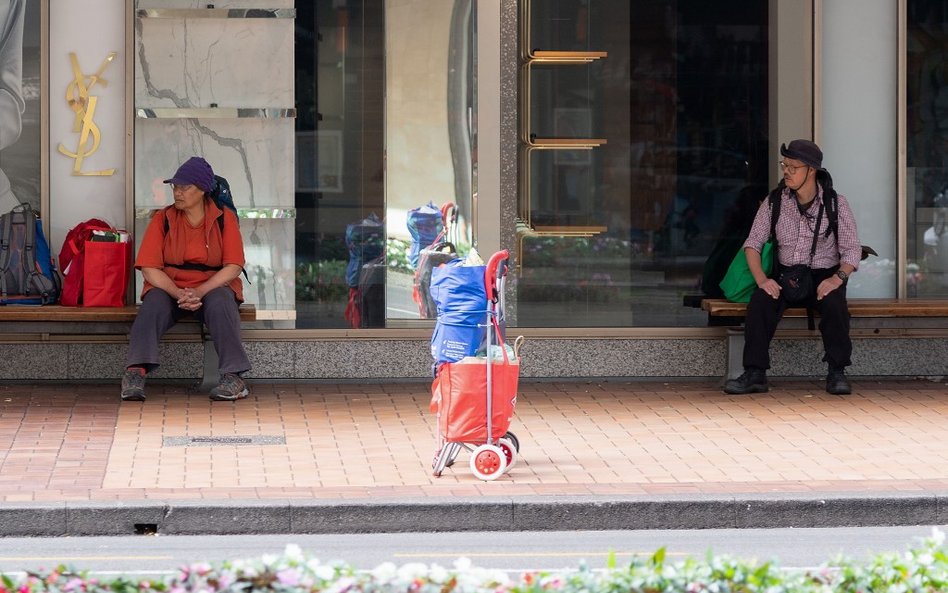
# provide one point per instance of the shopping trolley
(474, 397)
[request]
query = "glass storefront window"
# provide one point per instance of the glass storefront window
(617, 234)
(339, 235)
(927, 148)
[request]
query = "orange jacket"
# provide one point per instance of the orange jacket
(199, 245)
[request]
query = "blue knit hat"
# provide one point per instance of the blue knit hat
(195, 171)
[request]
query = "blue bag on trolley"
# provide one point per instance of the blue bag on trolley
(458, 292)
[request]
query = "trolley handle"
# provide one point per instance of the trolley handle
(496, 269)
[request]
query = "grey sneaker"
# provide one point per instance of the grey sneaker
(231, 388)
(133, 385)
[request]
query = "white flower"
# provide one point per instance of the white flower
(462, 564)
(438, 574)
(293, 552)
(312, 564)
(938, 536)
(385, 571)
(325, 572)
(412, 571)
(268, 559)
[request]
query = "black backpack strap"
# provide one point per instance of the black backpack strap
(6, 229)
(775, 198)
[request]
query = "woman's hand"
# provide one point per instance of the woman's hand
(189, 300)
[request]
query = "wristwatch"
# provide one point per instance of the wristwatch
(842, 275)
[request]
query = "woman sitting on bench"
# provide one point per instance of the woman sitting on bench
(191, 257)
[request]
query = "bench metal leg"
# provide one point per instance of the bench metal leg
(211, 363)
(735, 353)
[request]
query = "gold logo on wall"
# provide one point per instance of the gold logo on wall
(84, 104)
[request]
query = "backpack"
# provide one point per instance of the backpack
(28, 273)
(365, 241)
(72, 259)
(424, 223)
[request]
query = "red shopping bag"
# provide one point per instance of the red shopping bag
(72, 260)
(106, 271)
(459, 395)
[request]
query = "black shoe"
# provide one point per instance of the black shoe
(837, 383)
(752, 381)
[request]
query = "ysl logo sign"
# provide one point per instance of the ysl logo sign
(84, 104)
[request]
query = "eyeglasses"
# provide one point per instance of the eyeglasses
(791, 169)
(181, 188)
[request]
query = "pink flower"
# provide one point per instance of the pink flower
(289, 577)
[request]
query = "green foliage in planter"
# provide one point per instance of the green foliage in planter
(321, 281)
(923, 569)
(552, 251)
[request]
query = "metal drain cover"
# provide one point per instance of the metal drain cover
(209, 441)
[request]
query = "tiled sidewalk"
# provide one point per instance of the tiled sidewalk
(321, 441)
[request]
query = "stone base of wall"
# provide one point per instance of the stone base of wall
(378, 359)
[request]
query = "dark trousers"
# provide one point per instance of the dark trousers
(159, 312)
(764, 313)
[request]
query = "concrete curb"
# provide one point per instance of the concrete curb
(473, 514)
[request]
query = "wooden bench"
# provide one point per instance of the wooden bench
(858, 308)
(56, 319)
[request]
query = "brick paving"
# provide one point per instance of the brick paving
(68, 442)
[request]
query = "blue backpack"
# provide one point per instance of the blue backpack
(28, 274)
(365, 241)
(424, 223)
(223, 198)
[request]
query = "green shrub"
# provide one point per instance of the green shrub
(321, 281)
(923, 569)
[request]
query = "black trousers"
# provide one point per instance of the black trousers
(159, 312)
(764, 313)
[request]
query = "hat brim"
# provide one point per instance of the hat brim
(177, 181)
(792, 154)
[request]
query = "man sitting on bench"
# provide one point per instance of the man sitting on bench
(817, 248)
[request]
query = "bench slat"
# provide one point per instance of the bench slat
(113, 314)
(857, 308)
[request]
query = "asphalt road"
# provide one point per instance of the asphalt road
(519, 551)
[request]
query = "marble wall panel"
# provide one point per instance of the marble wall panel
(201, 61)
(255, 155)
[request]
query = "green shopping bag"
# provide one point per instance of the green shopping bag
(738, 283)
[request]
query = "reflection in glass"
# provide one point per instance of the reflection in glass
(681, 99)
(927, 144)
(339, 191)
(428, 137)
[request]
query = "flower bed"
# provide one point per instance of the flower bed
(921, 569)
